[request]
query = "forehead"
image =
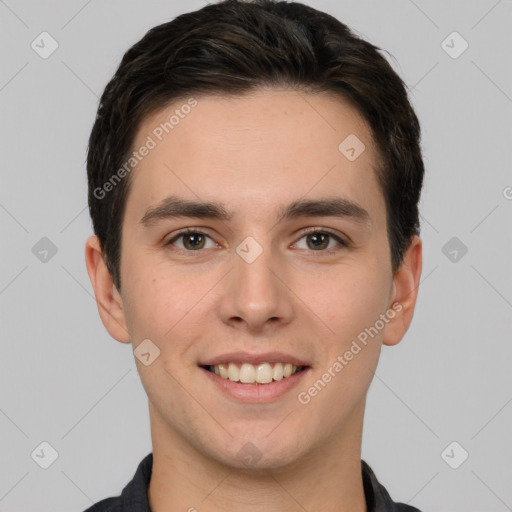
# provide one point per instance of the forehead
(264, 148)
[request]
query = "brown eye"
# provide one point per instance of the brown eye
(320, 240)
(191, 240)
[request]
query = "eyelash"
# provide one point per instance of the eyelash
(309, 231)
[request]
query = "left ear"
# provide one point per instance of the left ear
(405, 292)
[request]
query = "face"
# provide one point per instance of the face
(288, 266)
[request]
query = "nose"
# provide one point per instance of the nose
(255, 296)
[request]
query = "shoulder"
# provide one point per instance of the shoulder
(402, 507)
(377, 497)
(134, 496)
(107, 505)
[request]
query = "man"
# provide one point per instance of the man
(254, 177)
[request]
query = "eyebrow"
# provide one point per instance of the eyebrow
(176, 207)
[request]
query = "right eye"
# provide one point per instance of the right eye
(193, 240)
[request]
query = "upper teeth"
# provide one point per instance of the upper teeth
(248, 373)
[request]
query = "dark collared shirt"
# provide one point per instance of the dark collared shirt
(134, 497)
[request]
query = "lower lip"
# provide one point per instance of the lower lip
(256, 393)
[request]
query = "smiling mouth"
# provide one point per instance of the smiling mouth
(246, 373)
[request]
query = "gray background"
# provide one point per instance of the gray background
(63, 380)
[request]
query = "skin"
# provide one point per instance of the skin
(255, 153)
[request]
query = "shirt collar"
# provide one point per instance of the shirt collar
(135, 494)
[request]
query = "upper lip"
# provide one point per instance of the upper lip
(252, 358)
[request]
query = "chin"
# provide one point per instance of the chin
(261, 453)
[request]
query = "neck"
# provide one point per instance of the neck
(328, 478)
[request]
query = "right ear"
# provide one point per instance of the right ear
(108, 299)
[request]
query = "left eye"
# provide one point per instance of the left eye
(320, 240)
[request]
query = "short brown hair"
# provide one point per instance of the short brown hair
(233, 47)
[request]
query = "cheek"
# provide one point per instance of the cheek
(152, 308)
(165, 306)
(346, 301)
